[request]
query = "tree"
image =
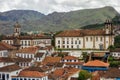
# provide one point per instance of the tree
(1, 36)
(84, 75)
(85, 56)
(111, 47)
(117, 41)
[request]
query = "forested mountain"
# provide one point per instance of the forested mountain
(56, 21)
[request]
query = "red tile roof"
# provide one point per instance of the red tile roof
(116, 50)
(74, 63)
(80, 33)
(5, 46)
(65, 73)
(70, 58)
(28, 37)
(10, 68)
(98, 54)
(96, 63)
(33, 74)
(110, 73)
(50, 59)
(29, 50)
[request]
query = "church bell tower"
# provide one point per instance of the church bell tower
(17, 29)
(109, 27)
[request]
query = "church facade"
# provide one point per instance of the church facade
(27, 40)
(86, 39)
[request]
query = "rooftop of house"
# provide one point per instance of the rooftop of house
(50, 59)
(95, 76)
(40, 69)
(96, 63)
(80, 32)
(74, 63)
(73, 78)
(5, 46)
(28, 50)
(13, 60)
(98, 54)
(6, 59)
(19, 59)
(10, 68)
(33, 74)
(27, 37)
(110, 73)
(39, 54)
(45, 47)
(116, 50)
(65, 72)
(70, 58)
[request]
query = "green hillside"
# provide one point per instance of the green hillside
(57, 21)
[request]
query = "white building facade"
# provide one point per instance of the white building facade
(26, 40)
(86, 39)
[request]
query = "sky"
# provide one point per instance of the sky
(49, 6)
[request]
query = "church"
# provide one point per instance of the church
(86, 39)
(23, 41)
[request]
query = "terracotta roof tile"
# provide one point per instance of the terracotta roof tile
(70, 58)
(34, 74)
(70, 33)
(65, 72)
(98, 54)
(96, 63)
(116, 50)
(29, 50)
(40, 69)
(74, 63)
(5, 46)
(110, 73)
(39, 54)
(13, 60)
(10, 68)
(50, 59)
(6, 59)
(27, 37)
(80, 33)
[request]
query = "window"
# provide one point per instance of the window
(58, 41)
(77, 46)
(7, 76)
(101, 38)
(86, 38)
(58, 46)
(25, 79)
(79, 42)
(71, 42)
(74, 60)
(63, 46)
(71, 46)
(25, 43)
(63, 42)
(75, 42)
(67, 42)
(67, 46)
(96, 38)
(28, 43)
(91, 38)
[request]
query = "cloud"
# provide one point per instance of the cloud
(48, 6)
